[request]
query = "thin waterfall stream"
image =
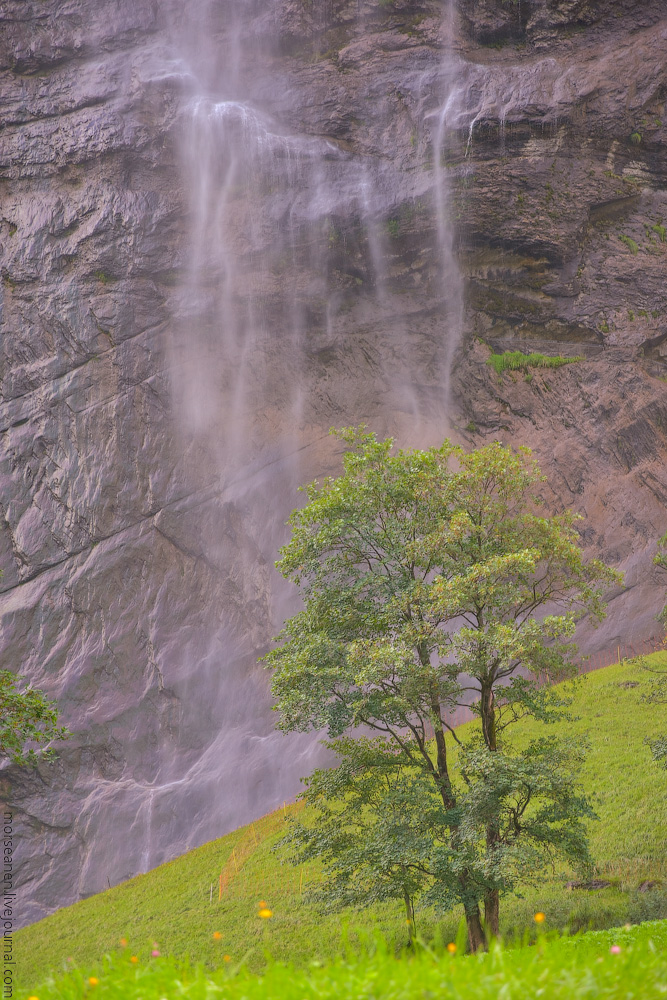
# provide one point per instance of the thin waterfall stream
(291, 319)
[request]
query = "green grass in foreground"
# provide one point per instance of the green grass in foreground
(516, 361)
(171, 904)
(628, 963)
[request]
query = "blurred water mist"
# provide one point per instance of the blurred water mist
(311, 282)
(290, 319)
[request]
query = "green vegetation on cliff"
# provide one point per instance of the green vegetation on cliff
(516, 361)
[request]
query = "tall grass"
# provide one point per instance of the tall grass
(603, 965)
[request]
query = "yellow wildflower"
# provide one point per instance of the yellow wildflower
(539, 918)
(265, 913)
(93, 980)
(134, 959)
(216, 935)
(451, 948)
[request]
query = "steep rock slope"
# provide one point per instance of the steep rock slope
(138, 533)
(562, 213)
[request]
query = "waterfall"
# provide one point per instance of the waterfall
(292, 240)
(314, 284)
(296, 312)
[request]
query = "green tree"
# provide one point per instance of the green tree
(422, 574)
(26, 717)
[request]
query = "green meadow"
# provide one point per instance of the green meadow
(202, 908)
(614, 965)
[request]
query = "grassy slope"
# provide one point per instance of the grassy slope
(170, 905)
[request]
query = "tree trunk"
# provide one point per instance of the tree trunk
(492, 913)
(492, 898)
(410, 914)
(488, 716)
(476, 935)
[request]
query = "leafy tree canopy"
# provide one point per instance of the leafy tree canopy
(433, 579)
(26, 717)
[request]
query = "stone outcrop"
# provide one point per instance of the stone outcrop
(137, 541)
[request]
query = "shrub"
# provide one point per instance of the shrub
(650, 905)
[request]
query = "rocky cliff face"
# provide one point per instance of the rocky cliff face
(225, 229)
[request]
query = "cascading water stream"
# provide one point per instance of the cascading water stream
(452, 285)
(318, 286)
(293, 238)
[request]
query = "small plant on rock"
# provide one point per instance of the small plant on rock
(632, 246)
(517, 361)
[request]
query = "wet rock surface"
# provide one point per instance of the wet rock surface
(138, 585)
